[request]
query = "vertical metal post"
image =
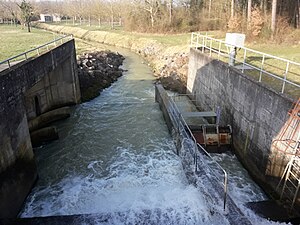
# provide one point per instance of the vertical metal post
(203, 44)
(295, 195)
(225, 190)
(8, 64)
(25, 56)
(261, 68)
(285, 75)
(220, 43)
(210, 47)
(197, 42)
(245, 55)
(38, 51)
(195, 158)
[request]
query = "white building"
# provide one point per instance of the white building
(50, 18)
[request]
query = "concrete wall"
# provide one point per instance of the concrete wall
(255, 112)
(50, 78)
(57, 88)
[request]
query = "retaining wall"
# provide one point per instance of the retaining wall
(44, 83)
(255, 112)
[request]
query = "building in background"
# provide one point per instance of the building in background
(50, 18)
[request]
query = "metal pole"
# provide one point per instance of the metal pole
(225, 190)
(196, 160)
(285, 75)
(261, 68)
(219, 50)
(210, 47)
(245, 55)
(202, 44)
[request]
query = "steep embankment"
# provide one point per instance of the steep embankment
(169, 63)
(96, 71)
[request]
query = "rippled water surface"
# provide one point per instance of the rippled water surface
(116, 157)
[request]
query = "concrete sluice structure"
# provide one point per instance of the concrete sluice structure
(199, 164)
(149, 169)
(205, 126)
(195, 159)
(258, 115)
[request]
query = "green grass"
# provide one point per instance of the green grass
(87, 46)
(271, 65)
(166, 39)
(290, 52)
(15, 40)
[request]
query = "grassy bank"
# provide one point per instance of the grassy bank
(15, 40)
(159, 49)
(283, 50)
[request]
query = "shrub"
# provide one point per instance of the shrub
(257, 22)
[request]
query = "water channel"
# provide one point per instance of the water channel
(115, 155)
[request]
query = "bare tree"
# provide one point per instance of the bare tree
(152, 6)
(249, 9)
(26, 13)
(10, 9)
(274, 12)
(170, 6)
(232, 9)
(209, 8)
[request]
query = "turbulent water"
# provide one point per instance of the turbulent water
(116, 157)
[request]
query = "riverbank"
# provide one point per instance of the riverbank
(169, 63)
(96, 71)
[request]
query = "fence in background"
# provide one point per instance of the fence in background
(273, 70)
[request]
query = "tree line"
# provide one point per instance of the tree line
(256, 17)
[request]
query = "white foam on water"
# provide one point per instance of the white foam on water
(152, 181)
(242, 188)
(138, 185)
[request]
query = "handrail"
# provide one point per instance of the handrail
(223, 170)
(205, 42)
(206, 153)
(198, 147)
(8, 61)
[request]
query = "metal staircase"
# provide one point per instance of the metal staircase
(289, 145)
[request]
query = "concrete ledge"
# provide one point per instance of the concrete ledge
(48, 118)
(43, 135)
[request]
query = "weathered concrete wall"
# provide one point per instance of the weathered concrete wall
(255, 112)
(56, 88)
(52, 80)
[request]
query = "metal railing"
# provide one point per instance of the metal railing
(196, 149)
(257, 63)
(36, 51)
